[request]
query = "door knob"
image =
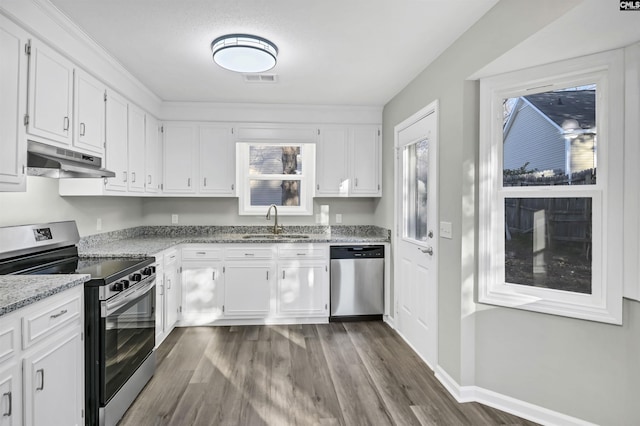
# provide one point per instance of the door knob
(428, 250)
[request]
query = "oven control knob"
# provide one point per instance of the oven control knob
(120, 285)
(135, 277)
(149, 270)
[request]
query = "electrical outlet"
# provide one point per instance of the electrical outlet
(174, 219)
(99, 224)
(338, 218)
(445, 230)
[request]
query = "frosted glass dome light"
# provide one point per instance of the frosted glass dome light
(244, 53)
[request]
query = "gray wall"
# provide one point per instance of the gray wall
(41, 203)
(579, 368)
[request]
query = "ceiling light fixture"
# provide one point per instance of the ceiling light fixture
(244, 53)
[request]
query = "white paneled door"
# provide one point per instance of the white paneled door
(416, 236)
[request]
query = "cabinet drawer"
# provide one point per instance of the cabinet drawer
(40, 323)
(9, 332)
(170, 256)
(201, 253)
(304, 252)
(237, 253)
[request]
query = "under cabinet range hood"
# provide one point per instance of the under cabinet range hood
(53, 162)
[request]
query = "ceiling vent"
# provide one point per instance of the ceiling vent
(260, 78)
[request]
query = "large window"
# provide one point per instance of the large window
(551, 189)
(276, 173)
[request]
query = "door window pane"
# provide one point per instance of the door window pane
(548, 243)
(549, 138)
(416, 168)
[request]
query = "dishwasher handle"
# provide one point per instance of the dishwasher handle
(357, 252)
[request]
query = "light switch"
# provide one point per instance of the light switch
(338, 218)
(445, 230)
(99, 224)
(174, 218)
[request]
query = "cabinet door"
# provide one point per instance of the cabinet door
(247, 289)
(53, 383)
(89, 113)
(179, 164)
(202, 292)
(217, 160)
(365, 161)
(172, 294)
(136, 151)
(160, 300)
(10, 396)
(116, 157)
(152, 155)
(13, 105)
(50, 95)
(302, 289)
(331, 159)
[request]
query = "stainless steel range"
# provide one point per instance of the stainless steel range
(119, 311)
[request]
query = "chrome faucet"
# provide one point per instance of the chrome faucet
(276, 229)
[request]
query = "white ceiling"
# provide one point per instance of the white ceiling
(332, 52)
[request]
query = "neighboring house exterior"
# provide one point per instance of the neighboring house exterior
(534, 132)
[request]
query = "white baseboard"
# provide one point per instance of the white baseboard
(389, 320)
(506, 403)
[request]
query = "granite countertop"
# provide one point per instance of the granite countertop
(148, 241)
(17, 291)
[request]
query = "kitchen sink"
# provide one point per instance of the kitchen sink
(274, 236)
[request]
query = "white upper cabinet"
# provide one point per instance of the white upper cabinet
(136, 149)
(199, 159)
(89, 113)
(153, 154)
(116, 154)
(50, 95)
(13, 106)
(332, 171)
(217, 160)
(365, 161)
(349, 162)
(180, 143)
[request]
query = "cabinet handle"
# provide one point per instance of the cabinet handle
(189, 182)
(233, 186)
(283, 275)
(133, 177)
(168, 284)
(65, 126)
(201, 253)
(267, 275)
(301, 254)
(149, 176)
(249, 254)
(41, 371)
(356, 182)
(161, 287)
(205, 181)
(59, 314)
(318, 186)
(10, 407)
(214, 275)
(82, 129)
(124, 176)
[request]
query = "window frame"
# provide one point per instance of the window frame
(306, 178)
(604, 304)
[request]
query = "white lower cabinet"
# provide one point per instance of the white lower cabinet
(53, 383)
(248, 289)
(10, 395)
(262, 283)
(202, 285)
(167, 293)
(302, 289)
(42, 362)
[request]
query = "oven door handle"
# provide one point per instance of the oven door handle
(110, 306)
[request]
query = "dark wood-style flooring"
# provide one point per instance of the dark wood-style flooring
(330, 374)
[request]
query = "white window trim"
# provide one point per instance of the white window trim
(307, 179)
(605, 302)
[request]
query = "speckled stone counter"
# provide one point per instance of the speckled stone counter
(17, 291)
(149, 240)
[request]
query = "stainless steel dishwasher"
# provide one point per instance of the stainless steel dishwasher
(357, 283)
